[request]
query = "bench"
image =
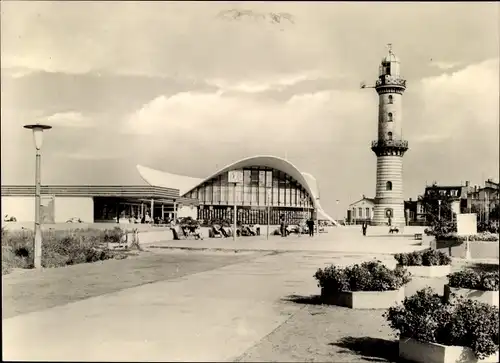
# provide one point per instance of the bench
(418, 236)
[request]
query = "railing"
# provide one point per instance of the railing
(390, 81)
(401, 144)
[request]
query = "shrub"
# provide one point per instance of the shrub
(59, 248)
(428, 257)
(478, 280)
(467, 323)
(369, 276)
(112, 235)
(441, 227)
(479, 237)
(487, 227)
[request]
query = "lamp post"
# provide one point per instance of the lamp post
(439, 209)
(317, 216)
(268, 211)
(337, 210)
(38, 140)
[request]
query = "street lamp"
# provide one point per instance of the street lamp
(439, 209)
(337, 211)
(38, 140)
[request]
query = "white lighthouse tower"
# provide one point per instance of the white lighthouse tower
(390, 145)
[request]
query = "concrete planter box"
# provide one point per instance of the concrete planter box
(364, 299)
(488, 297)
(478, 249)
(425, 352)
(429, 271)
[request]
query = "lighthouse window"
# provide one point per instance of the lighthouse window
(389, 117)
(388, 185)
(390, 99)
(389, 135)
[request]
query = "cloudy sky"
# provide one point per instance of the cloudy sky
(187, 88)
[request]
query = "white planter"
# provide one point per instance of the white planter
(429, 271)
(488, 297)
(424, 352)
(364, 299)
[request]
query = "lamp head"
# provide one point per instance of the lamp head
(38, 133)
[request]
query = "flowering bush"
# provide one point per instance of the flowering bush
(470, 279)
(479, 237)
(467, 323)
(369, 276)
(427, 257)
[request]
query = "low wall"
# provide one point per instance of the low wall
(155, 236)
(479, 250)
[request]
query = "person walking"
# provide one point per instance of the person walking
(364, 227)
(310, 225)
(282, 226)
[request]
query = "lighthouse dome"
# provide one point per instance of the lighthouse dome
(390, 58)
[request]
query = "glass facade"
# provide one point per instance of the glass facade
(286, 197)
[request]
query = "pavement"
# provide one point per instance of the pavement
(338, 240)
(214, 315)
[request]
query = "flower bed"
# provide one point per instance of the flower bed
(479, 237)
(59, 248)
(369, 285)
(426, 263)
(481, 286)
(426, 318)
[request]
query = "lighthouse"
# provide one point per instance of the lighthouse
(390, 146)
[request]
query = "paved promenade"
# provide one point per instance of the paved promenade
(211, 315)
(340, 240)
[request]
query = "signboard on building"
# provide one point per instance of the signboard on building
(466, 224)
(235, 176)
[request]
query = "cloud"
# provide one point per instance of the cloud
(167, 38)
(277, 82)
(219, 116)
(69, 119)
(454, 103)
(443, 65)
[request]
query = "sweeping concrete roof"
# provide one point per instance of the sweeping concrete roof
(186, 183)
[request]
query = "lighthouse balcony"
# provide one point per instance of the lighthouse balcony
(389, 146)
(391, 81)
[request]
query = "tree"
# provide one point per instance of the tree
(495, 212)
(434, 211)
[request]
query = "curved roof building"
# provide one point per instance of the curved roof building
(289, 191)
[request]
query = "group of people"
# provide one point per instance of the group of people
(284, 231)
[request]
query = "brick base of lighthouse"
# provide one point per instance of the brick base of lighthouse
(380, 218)
(389, 170)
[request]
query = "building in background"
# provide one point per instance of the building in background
(266, 180)
(390, 145)
(361, 211)
(95, 203)
(485, 201)
(444, 201)
(414, 213)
